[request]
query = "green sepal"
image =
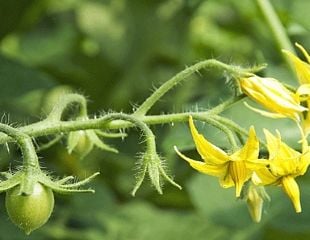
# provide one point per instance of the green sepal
(153, 165)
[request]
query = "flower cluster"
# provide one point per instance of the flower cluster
(244, 169)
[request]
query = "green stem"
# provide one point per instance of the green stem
(276, 27)
(30, 158)
(65, 102)
(49, 144)
(46, 127)
(227, 104)
(164, 88)
(236, 127)
(148, 134)
(213, 122)
(25, 144)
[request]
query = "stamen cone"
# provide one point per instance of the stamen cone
(238, 173)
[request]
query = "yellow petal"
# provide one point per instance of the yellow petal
(283, 159)
(213, 170)
(269, 114)
(306, 123)
(283, 167)
(256, 164)
(301, 48)
(250, 150)
(303, 92)
(287, 152)
(226, 181)
(301, 67)
(303, 163)
(209, 152)
(292, 190)
(278, 149)
(263, 176)
(273, 143)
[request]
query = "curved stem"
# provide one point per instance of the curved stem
(212, 121)
(47, 127)
(164, 88)
(110, 121)
(66, 101)
(49, 144)
(149, 136)
(227, 104)
(25, 144)
(30, 158)
(236, 127)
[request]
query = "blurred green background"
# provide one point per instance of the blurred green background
(115, 52)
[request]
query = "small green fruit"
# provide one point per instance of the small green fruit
(32, 211)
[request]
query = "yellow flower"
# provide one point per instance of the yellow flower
(303, 73)
(302, 68)
(232, 170)
(274, 96)
(285, 165)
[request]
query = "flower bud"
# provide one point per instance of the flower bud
(255, 197)
(273, 95)
(79, 142)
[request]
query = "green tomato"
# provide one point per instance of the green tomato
(32, 211)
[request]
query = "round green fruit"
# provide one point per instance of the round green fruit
(32, 211)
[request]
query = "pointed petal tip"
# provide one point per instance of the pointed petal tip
(181, 155)
(298, 210)
(238, 193)
(268, 133)
(238, 189)
(252, 133)
(291, 188)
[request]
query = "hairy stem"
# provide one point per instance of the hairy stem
(65, 102)
(25, 144)
(213, 122)
(164, 88)
(236, 127)
(110, 121)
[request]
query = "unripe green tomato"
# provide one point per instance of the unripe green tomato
(32, 211)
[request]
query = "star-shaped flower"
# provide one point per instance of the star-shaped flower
(285, 164)
(232, 170)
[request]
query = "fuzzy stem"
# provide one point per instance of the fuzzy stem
(110, 121)
(148, 134)
(164, 88)
(236, 127)
(213, 122)
(24, 142)
(64, 102)
(30, 158)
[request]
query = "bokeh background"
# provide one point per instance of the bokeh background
(115, 52)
